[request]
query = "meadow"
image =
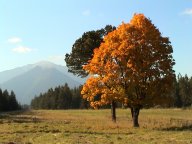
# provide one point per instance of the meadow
(157, 126)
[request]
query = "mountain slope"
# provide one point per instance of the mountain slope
(38, 78)
(9, 74)
(62, 69)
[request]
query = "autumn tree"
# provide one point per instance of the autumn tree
(133, 65)
(82, 50)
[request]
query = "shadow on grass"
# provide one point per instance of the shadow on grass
(18, 117)
(178, 128)
(55, 131)
(98, 133)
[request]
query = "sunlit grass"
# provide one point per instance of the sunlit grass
(95, 126)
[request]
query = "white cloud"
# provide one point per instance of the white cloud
(187, 11)
(22, 49)
(15, 40)
(86, 12)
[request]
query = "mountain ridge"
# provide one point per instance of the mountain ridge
(33, 79)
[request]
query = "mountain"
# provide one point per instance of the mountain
(9, 74)
(33, 79)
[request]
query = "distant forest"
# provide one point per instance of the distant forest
(63, 97)
(182, 93)
(8, 101)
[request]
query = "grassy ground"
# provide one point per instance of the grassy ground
(173, 126)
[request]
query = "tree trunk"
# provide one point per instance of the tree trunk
(113, 111)
(135, 115)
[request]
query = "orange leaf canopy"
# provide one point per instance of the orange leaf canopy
(132, 64)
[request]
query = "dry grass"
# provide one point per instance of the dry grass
(95, 126)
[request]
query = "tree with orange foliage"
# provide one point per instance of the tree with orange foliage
(134, 65)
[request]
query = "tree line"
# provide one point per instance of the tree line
(8, 101)
(183, 91)
(61, 97)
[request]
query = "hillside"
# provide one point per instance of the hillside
(34, 79)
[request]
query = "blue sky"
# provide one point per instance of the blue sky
(36, 30)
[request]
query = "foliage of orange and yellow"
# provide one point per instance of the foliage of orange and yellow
(133, 65)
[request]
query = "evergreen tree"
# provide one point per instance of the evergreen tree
(5, 99)
(185, 90)
(13, 104)
(76, 98)
(59, 98)
(177, 96)
(8, 102)
(82, 50)
(1, 100)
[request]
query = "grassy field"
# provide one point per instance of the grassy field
(173, 126)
